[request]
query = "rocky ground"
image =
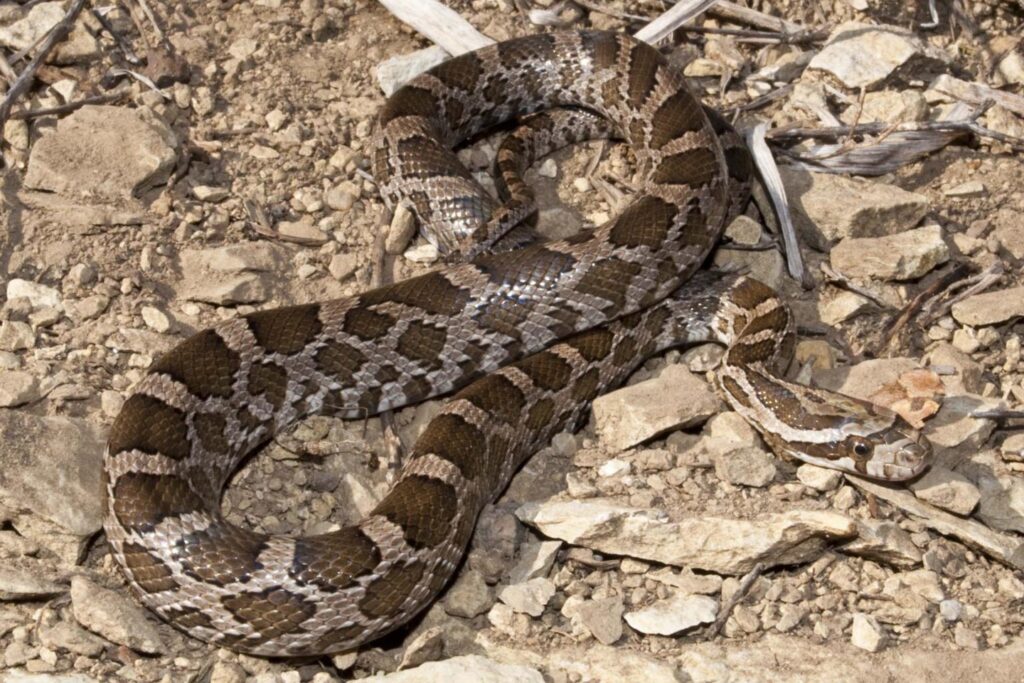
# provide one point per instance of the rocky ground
(663, 542)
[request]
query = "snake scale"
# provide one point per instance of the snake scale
(540, 329)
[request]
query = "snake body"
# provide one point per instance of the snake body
(542, 330)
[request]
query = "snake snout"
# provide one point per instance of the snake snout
(903, 457)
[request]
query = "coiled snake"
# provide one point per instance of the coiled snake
(572, 317)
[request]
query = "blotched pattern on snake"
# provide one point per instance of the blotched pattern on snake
(563, 320)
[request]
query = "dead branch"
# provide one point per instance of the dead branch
(24, 81)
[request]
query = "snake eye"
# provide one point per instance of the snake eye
(862, 448)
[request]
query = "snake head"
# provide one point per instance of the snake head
(852, 435)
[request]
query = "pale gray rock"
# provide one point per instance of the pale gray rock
(602, 618)
(469, 596)
(17, 388)
(32, 27)
(819, 478)
(535, 560)
(675, 399)
(903, 256)
(529, 597)
(723, 546)
(674, 615)
(54, 467)
(40, 295)
(25, 582)
(69, 636)
(343, 266)
(955, 433)
(990, 308)
(890, 106)
(16, 336)
(946, 489)
(863, 55)
(828, 207)
(467, 668)
(865, 378)
(745, 467)
(231, 274)
(114, 616)
(867, 633)
(103, 153)
(883, 542)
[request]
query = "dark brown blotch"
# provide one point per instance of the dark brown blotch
(423, 507)
(203, 363)
(432, 293)
(409, 101)
(603, 46)
(366, 324)
(450, 437)
(149, 571)
(593, 345)
(497, 396)
(385, 596)
(587, 386)
(609, 279)
(540, 415)
(678, 114)
(187, 618)
(271, 612)
(643, 72)
(211, 429)
(333, 561)
(339, 360)
(693, 167)
(220, 554)
(461, 73)
(546, 370)
(286, 330)
(151, 426)
(645, 222)
(270, 381)
(423, 342)
(141, 501)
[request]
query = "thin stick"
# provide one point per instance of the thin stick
(24, 81)
(751, 17)
(734, 599)
(440, 24)
(682, 12)
(595, 7)
(838, 278)
(69, 106)
(917, 304)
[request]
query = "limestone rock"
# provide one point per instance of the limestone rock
(53, 466)
(746, 467)
(231, 274)
(40, 295)
(723, 546)
(883, 542)
(867, 633)
(395, 72)
(26, 583)
(675, 399)
(863, 55)
(468, 668)
(828, 207)
(990, 308)
(674, 615)
(469, 596)
(903, 256)
(23, 34)
(948, 490)
(819, 478)
(103, 152)
(113, 616)
(17, 388)
(530, 597)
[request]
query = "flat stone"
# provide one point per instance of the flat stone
(746, 467)
(467, 668)
(209, 193)
(343, 266)
(1011, 237)
(675, 399)
(889, 106)
(26, 583)
(602, 618)
(16, 336)
(723, 546)
(231, 274)
(867, 633)
(79, 46)
(17, 388)
(103, 152)
(69, 636)
(903, 256)
(469, 595)
(866, 378)
(883, 542)
(155, 319)
(972, 188)
(535, 560)
(113, 616)
(302, 231)
(819, 478)
(40, 295)
(674, 615)
(54, 467)
(946, 489)
(955, 433)
(530, 597)
(863, 55)
(828, 207)
(839, 305)
(990, 308)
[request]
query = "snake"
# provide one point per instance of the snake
(527, 333)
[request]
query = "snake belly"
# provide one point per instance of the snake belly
(219, 395)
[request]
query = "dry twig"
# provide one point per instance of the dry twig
(734, 599)
(24, 81)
